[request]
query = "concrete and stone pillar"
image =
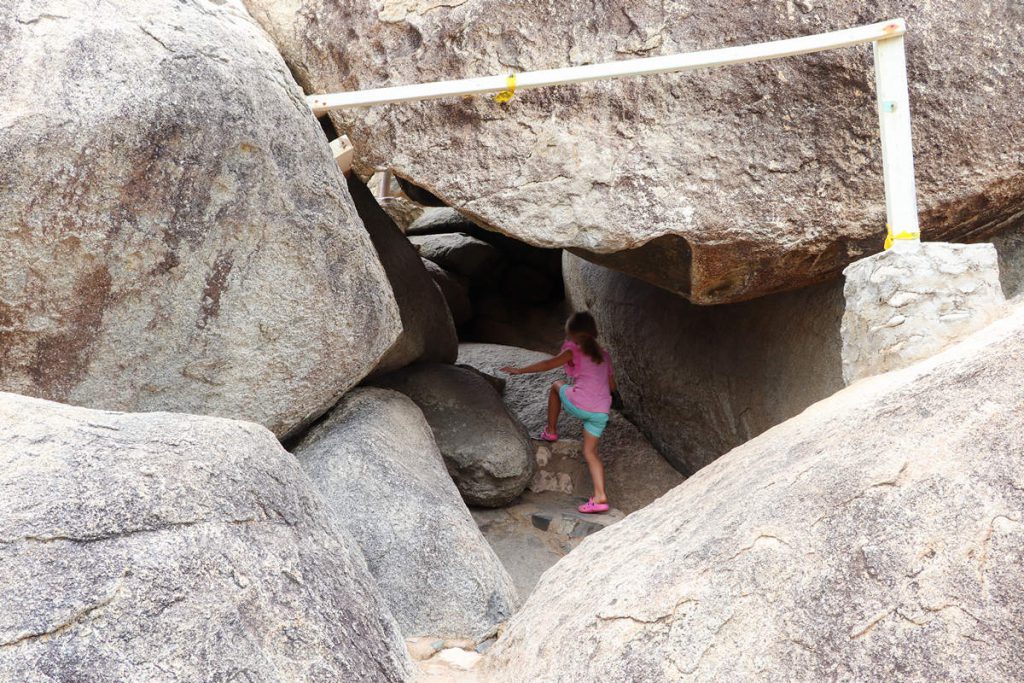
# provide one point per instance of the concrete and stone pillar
(908, 303)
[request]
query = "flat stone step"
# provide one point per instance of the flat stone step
(532, 534)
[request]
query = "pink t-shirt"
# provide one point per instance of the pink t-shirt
(590, 390)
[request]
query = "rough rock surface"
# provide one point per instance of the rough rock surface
(163, 547)
(403, 211)
(428, 332)
(700, 380)
(485, 448)
(175, 232)
(455, 290)
(375, 462)
(908, 303)
(1010, 245)
(635, 473)
(468, 256)
(741, 181)
(876, 536)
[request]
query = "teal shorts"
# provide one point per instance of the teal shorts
(594, 423)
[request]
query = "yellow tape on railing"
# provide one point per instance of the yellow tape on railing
(510, 90)
(890, 237)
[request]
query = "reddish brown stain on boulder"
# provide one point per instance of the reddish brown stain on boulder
(216, 283)
(60, 360)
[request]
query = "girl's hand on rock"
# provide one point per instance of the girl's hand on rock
(511, 371)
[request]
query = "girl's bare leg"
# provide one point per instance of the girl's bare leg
(594, 465)
(554, 406)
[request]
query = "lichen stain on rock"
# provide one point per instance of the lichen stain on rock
(60, 359)
(216, 283)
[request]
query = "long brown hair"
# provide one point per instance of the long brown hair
(583, 325)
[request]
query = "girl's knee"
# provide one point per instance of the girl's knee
(556, 385)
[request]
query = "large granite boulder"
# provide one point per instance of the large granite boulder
(876, 536)
(635, 473)
(375, 462)
(460, 253)
(727, 183)
(176, 235)
(438, 220)
(454, 288)
(700, 380)
(163, 547)
(486, 449)
(428, 332)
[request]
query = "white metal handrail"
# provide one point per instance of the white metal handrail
(890, 75)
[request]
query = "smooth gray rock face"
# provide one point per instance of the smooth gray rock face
(375, 462)
(428, 332)
(739, 181)
(439, 220)
(175, 232)
(164, 547)
(468, 256)
(485, 448)
(635, 473)
(1010, 246)
(910, 302)
(700, 380)
(875, 537)
(455, 289)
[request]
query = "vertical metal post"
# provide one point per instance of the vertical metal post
(384, 189)
(897, 149)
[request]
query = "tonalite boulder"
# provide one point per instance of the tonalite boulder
(877, 536)
(725, 184)
(375, 462)
(428, 331)
(175, 233)
(486, 449)
(163, 547)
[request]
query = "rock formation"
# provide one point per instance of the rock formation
(700, 380)
(375, 462)
(725, 184)
(146, 547)
(455, 289)
(876, 536)
(402, 210)
(176, 234)
(468, 256)
(486, 449)
(1010, 246)
(428, 332)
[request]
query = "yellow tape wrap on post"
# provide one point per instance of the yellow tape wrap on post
(890, 237)
(510, 90)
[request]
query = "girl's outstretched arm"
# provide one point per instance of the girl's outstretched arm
(541, 366)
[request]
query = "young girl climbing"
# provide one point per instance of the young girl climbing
(588, 395)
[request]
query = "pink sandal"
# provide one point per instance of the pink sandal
(591, 508)
(545, 435)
